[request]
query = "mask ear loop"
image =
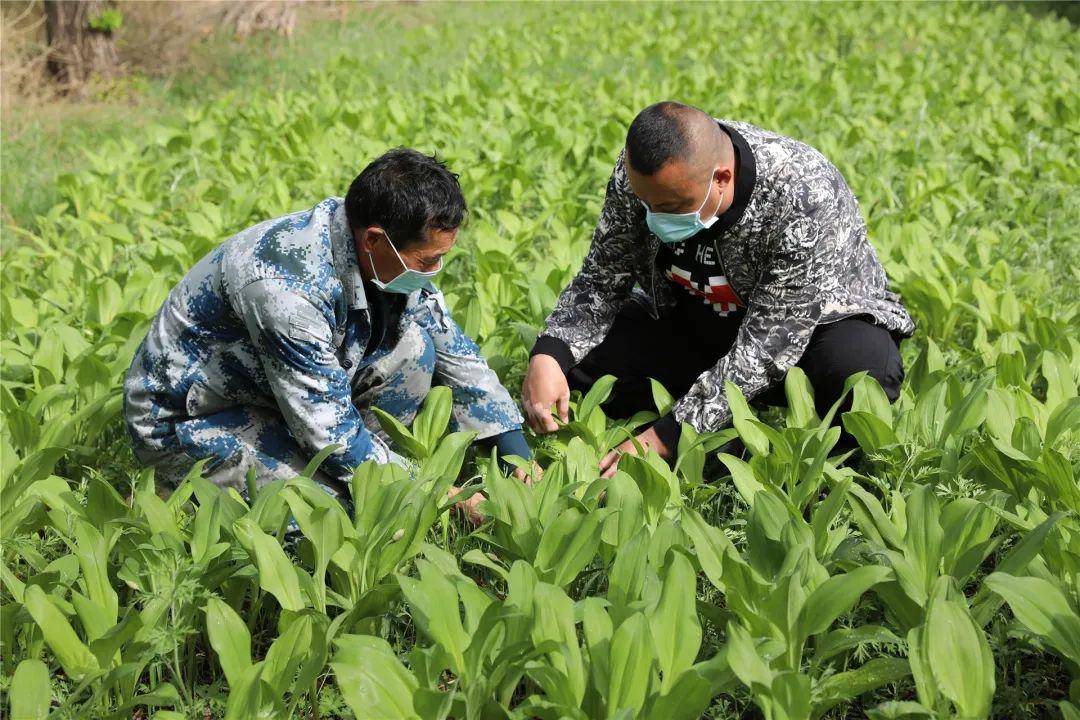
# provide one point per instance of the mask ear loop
(712, 177)
(371, 258)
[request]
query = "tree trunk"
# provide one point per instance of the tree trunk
(76, 50)
(249, 16)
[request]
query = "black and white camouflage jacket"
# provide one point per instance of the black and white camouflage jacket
(795, 253)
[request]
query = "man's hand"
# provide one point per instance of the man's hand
(534, 475)
(649, 440)
(544, 386)
(468, 507)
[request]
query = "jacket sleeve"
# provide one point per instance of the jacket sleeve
(291, 331)
(481, 403)
(782, 313)
(586, 309)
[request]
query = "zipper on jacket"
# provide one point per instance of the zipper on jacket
(654, 311)
(723, 268)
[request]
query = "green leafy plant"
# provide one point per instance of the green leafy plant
(769, 571)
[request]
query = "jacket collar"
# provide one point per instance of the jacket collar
(346, 265)
(745, 176)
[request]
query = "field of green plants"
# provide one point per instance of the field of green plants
(934, 575)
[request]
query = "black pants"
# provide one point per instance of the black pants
(675, 351)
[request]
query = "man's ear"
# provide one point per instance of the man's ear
(724, 176)
(368, 238)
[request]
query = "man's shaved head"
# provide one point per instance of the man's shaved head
(670, 131)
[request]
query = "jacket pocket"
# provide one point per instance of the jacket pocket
(202, 400)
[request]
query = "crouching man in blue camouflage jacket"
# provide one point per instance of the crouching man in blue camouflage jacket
(277, 343)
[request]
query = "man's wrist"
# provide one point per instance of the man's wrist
(554, 348)
(668, 430)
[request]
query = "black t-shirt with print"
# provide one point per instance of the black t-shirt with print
(697, 268)
(695, 264)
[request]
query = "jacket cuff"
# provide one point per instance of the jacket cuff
(669, 430)
(556, 348)
(511, 442)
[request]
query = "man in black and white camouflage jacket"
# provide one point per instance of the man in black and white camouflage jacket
(723, 252)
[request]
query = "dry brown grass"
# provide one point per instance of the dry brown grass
(158, 39)
(23, 51)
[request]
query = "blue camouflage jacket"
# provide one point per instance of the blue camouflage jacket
(277, 317)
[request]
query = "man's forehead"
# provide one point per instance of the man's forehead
(435, 240)
(676, 178)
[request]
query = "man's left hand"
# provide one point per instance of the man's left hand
(648, 440)
(468, 507)
(529, 477)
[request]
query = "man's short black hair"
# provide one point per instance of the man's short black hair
(658, 135)
(406, 193)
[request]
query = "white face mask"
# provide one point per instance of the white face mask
(673, 228)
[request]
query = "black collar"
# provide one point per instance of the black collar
(745, 175)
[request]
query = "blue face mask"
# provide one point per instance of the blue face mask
(408, 281)
(673, 228)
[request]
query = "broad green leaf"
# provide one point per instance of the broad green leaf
(431, 421)
(313, 465)
(30, 695)
(93, 552)
(596, 396)
(662, 399)
(958, 653)
(372, 679)
(836, 596)
(1064, 419)
(710, 545)
(251, 697)
(554, 622)
(74, 656)
(1014, 562)
(869, 430)
(108, 645)
(229, 636)
(287, 653)
(673, 623)
(625, 500)
(800, 399)
(569, 544)
(277, 575)
(742, 476)
(37, 466)
(656, 490)
(1043, 608)
(631, 666)
(968, 413)
(627, 576)
(433, 601)
(597, 629)
(849, 685)
(924, 538)
(831, 644)
(867, 396)
(403, 440)
(745, 661)
(1060, 383)
(693, 690)
(790, 695)
(754, 439)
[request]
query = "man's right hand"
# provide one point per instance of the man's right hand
(544, 386)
